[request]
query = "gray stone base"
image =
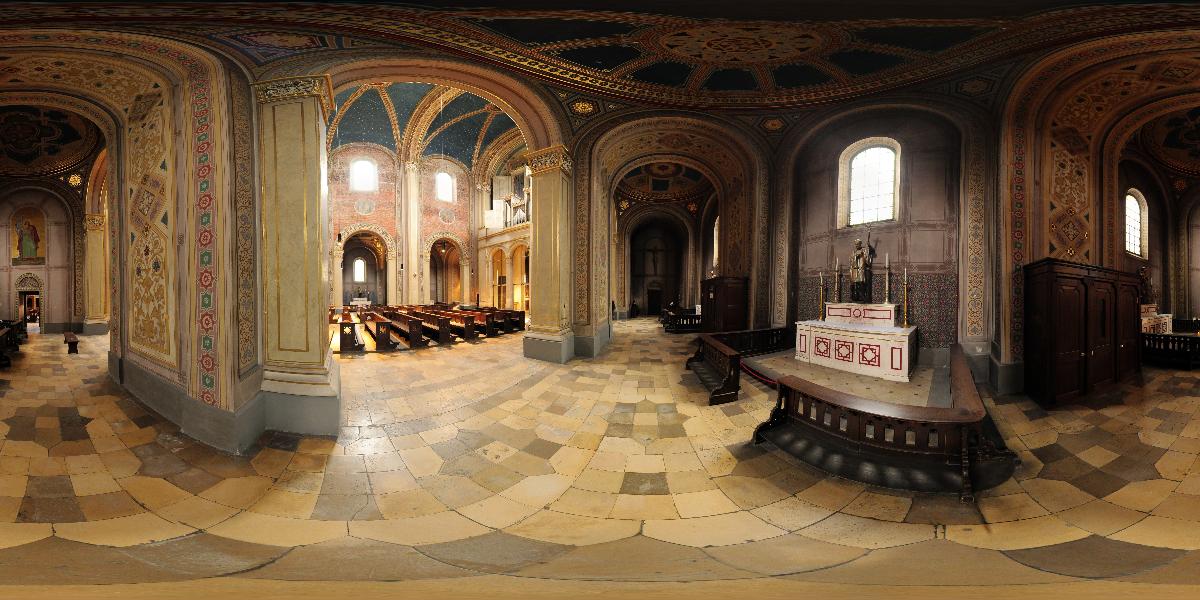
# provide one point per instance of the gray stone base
(1006, 379)
(590, 346)
(94, 328)
(232, 432)
(556, 349)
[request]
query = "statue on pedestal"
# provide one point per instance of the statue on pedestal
(1146, 290)
(860, 271)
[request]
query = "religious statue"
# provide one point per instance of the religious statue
(860, 271)
(1146, 288)
(27, 240)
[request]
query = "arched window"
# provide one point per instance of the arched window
(443, 187)
(1137, 215)
(364, 176)
(869, 182)
(360, 270)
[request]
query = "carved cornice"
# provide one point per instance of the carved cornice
(548, 159)
(291, 88)
(94, 221)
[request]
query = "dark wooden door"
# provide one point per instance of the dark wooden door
(1128, 325)
(1069, 304)
(1102, 332)
(653, 302)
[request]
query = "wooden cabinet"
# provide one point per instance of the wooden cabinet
(1081, 325)
(724, 304)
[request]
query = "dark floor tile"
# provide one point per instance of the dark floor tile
(50, 487)
(346, 484)
(1095, 557)
(496, 552)
(346, 508)
(1098, 483)
(50, 510)
(645, 484)
(193, 480)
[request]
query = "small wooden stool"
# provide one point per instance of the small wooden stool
(72, 342)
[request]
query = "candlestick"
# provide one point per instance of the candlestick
(887, 260)
(906, 297)
(821, 299)
(887, 282)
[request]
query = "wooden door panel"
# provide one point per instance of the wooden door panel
(1101, 332)
(1069, 303)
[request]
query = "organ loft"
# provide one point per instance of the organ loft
(535, 299)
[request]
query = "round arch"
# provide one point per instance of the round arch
(678, 218)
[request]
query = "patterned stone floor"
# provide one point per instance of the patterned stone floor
(472, 462)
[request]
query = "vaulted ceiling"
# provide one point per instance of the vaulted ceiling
(704, 53)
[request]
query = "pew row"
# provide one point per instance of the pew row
(1171, 350)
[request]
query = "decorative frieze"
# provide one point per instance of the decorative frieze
(93, 221)
(548, 159)
(291, 88)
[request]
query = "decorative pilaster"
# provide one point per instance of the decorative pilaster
(416, 262)
(550, 336)
(336, 296)
(95, 272)
(296, 248)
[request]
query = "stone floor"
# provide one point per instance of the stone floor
(472, 462)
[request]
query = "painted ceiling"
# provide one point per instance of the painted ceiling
(37, 140)
(664, 183)
(463, 126)
(1174, 139)
(788, 54)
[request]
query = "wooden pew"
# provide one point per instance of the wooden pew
(504, 319)
(5, 332)
(408, 327)
(348, 333)
(436, 327)
(379, 328)
(461, 324)
(483, 320)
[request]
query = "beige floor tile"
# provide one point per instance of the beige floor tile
(437, 528)
(277, 531)
(586, 503)
(645, 463)
(391, 482)
(791, 513)
(684, 482)
(600, 481)
(832, 494)
(91, 484)
(282, 503)
(1012, 507)
(496, 512)
(407, 504)
(421, 461)
(703, 504)
(1016, 535)
(1176, 465)
(860, 532)
(1162, 532)
(570, 461)
(631, 506)
(238, 492)
(608, 461)
(539, 490)
(573, 530)
(121, 463)
(717, 530)
(143, 528)
(89, 463)
(197, 512)
(1179, 506)
(882, 507)
(1100, 517)
(152, 492)
(1055, 496)
(12, 486)
(19, 534)
(1143, 495)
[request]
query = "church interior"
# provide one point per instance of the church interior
(477, 299)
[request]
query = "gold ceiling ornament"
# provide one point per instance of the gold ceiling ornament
(75, 180)
(290, 88)
(583, 108)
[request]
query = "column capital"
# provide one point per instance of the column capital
(93, 221)
(290, 88)
(548, 159)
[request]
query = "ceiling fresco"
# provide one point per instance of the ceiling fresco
(664, 183)
(785, 58)
(1174, 140)
(451, 122)
(37, 140)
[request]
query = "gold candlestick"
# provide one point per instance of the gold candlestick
(821, 299)
(906, 297)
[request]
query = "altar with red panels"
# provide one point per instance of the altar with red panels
(859, 338)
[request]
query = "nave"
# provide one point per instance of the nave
(612, 470)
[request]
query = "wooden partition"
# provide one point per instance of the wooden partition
(718, 358)
(1171, 350)
(892, 445)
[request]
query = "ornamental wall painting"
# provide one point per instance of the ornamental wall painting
(29, 237)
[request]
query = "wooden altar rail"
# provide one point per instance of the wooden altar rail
(718, 358)
(946, 437)
(1185, 325)
(1171, 350)
(682, 321)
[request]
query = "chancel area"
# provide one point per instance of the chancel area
(620, 299)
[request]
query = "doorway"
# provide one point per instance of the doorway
(31, 311)
(653, 301)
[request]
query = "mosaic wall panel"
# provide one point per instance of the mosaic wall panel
(244, 223)
(932, 302)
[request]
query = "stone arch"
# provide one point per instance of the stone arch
(389, 242)
(537, 121)
(1028, 164)
(977, 325)
(73, 205)
(635, 218)
(732, 158)
(28, 282)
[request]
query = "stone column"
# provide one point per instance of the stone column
(95, 274)
(416, 260)
(550, 336)
(336, 295)
(464, 274)
(426, 279)
(300, 387)
(393, 284)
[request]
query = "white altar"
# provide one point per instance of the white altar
(1152, 322)
(360, 302)
(860, 338)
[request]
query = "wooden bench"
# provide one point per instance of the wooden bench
(927, 449)
(682, 321)
(437, 327)
(5, 333)
(718, 358)
(1171, 350)
(410, 328)
(72, 342)
(348, 334)
(461, 324)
